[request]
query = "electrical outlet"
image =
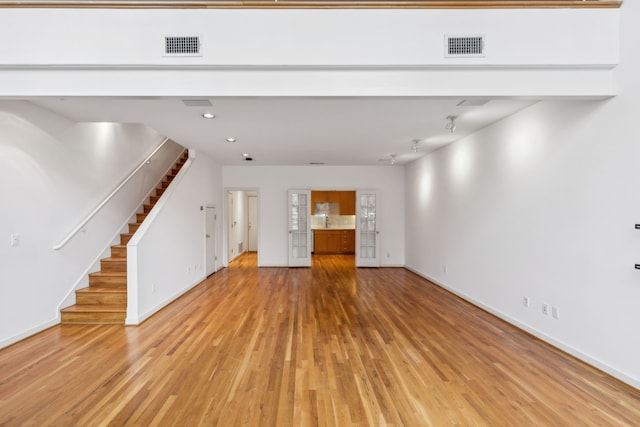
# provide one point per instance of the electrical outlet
(555, 312)
(525, 301)
(15, 240)
(445, 268)
(545, 308)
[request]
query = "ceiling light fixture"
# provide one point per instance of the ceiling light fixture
(393, 159)
(231, 140)
(451, 124)
(209, 116)
(246, 154)
(414, 145)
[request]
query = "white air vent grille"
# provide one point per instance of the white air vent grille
(464, 46)
(182, 46)
(197, 102)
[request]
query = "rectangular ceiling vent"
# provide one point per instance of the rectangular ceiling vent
(182, 46)
(464, 46)
(197, 102)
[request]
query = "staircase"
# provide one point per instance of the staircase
(105, 300)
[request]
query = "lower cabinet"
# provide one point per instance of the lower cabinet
(334, 241)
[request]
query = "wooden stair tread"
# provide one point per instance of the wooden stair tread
(109, 273)
(98, 289)
(114, 259)
(95, 308)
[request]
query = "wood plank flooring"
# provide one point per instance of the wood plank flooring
(326, 346)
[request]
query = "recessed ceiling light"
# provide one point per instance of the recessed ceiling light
(245, 154)
(231, 140)
(209, 116)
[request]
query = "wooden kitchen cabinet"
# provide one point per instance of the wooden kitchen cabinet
(334, 241)
(347, 202)
(333, 196)
(348, 241)
(317, 197)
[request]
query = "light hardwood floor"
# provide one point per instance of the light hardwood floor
(330, 345)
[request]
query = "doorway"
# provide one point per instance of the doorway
(345, 223)
(242, 222)
(333, 225)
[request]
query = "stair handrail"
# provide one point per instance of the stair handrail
(109, 197)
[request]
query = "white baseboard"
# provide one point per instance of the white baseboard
(26, 334)
(153, 310)
(622, 376)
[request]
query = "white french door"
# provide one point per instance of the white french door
(299, 228)
(367, 233)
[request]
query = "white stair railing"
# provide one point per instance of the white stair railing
(109, 197)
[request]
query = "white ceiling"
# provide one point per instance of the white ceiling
(300, 130)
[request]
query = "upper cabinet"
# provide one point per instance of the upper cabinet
(333, 196)
(317, 197)
(346, 200)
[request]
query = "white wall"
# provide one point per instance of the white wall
(167, 256)
(272, 183)
(543, 204)
(53, 173)
(307, 52)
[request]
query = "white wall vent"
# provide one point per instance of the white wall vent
(464, 46)
(182, 46)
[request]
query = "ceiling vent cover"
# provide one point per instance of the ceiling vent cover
(182, 46)
(464, 46)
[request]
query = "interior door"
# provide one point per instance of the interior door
(367, 233)
(232, 238)
(253, 224)
(210, 255)
(299, 228)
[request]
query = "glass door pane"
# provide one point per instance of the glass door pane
(299, 229)
(367, 229)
